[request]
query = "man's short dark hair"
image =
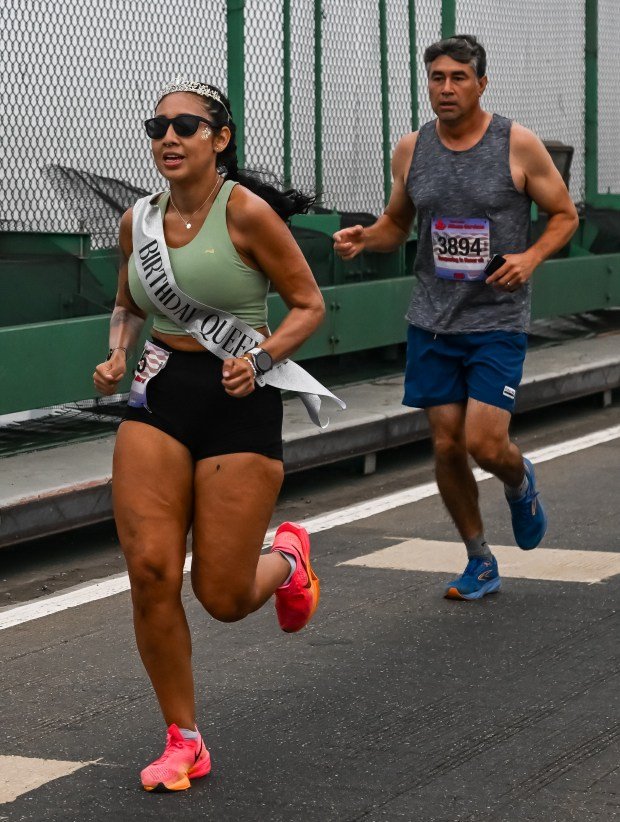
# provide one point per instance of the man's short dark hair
(464, 48)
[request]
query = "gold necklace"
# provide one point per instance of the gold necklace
(187, 222)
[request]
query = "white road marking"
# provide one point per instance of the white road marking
(21, 774)
(554, 564)
(370, 508)
(17, 615)
(71, 598)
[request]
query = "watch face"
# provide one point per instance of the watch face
(263, 361)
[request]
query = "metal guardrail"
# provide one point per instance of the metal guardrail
(50, 361)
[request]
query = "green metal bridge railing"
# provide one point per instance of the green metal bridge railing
(51, 361)
(56, 293)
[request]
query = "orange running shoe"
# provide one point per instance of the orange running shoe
(297, 600)
(182, 760)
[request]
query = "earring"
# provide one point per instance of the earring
(206, 133)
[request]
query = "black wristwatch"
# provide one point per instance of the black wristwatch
(262, 360)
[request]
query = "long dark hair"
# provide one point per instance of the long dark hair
(263, 183)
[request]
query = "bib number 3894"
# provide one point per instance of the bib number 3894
(461, 248)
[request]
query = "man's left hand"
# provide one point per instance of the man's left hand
(515, 272)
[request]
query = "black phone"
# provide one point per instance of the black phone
(496, 261)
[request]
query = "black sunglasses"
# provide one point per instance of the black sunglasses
(184, 125)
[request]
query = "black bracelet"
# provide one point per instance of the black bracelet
(118, 348)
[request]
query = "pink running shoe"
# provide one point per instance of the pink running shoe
(297, 600)
(182, 760)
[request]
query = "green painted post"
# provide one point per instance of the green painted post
(413, 66)
(591, 93)
(286, 58)
(235, 16)
(385, 102)
(448, 18)
(318, 96)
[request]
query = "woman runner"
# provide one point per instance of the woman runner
(205, 450)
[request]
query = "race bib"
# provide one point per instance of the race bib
(461, 248)
(151, 362)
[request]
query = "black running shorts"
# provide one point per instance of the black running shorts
(186, 400)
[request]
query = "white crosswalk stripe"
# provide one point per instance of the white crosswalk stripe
(22, 774)
(555, 564)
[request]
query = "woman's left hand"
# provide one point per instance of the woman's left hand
(238, 377)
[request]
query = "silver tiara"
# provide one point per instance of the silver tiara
(179, 84)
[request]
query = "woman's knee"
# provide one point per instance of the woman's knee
(225, 606)
(153, 576)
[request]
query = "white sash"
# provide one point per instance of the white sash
(219, 332)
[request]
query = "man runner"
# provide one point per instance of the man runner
(471, 177)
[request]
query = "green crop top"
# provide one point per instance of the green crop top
(210, 270)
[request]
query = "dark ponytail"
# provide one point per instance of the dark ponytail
(263, 183)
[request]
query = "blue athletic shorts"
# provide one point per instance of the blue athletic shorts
(448, 368)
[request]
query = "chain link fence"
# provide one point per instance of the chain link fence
(428, 29)
(78, 81)
(81, 78)
(352, 123)
(264, 89)
(608, 98)
(303, 115)
(535, 54)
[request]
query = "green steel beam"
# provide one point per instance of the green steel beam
(448, 18)
(321, 342)
(323, 223)
(370, 315)
(31, 243)
(101, 268)
(605, 201)
(318, 96)
(586, 234)
(235, 17)
(286, 58)
(613, 270)
(385, 102)
(591, 100)
(576, 285)
(413, 66)
(33, 362)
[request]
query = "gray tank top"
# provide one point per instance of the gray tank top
(472, 184)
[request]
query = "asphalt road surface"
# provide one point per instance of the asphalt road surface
(394, 704)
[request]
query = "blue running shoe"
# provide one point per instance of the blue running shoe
(529, 521)
(480, 577)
